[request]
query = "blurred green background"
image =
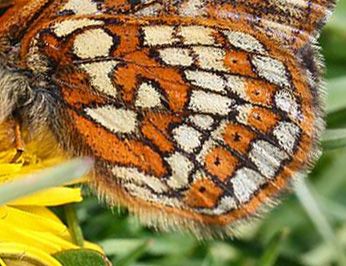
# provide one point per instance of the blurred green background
(290, 235)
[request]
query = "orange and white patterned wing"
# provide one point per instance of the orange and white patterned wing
(198, 113)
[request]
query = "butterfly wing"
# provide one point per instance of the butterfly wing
(287, 22)
(197, 123)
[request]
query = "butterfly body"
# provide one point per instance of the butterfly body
(198, 113)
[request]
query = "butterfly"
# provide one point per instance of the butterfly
(199, 114)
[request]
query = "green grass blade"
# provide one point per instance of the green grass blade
(48, 178)
(308, 201)
(273, 249)
(334, 138)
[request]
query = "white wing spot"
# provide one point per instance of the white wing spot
(243, 113)
(286, 102)
(92, 43)
(134, 176)
(271, 69)
(187, 137)
(202, 121)
(267, 157)
(236, 85)
(141, 192)
(116, 120)
(206, 80)
(211, 103)
(81, 7)
(65, 27)
(193, 35)
(181, 168)
(147, 195)
(245, 183)
(147, 96)
(211, 58)
(151, 10)
(192, 8)
(292, 7)
(244, 41)
(158, 35)
(99, 74)
(176, 56)
(287, 134)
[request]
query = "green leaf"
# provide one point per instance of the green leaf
(173, 245)
(313, 209)
(324, 254)
(82, 257)
(132, 256)
(120, 247)
(338, 21)
(48, 178)
(331, 180)
(334, 138)
(273, 249)
(335, 209)
(222, 253)
(336, 95)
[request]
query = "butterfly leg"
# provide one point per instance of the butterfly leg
(19, 145)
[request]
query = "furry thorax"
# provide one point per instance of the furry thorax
(22, 99)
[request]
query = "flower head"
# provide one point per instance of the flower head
(29, 229)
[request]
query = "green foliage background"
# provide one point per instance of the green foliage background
(287, 236)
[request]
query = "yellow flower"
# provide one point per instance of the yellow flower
(29, 230)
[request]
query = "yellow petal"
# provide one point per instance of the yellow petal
(19, 252)
(50, 197)
(7, 170)
(93, 246)
(3, 211)
(28, 221)
(39, 210)
(45, 241)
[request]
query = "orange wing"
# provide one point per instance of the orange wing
(196, 117)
